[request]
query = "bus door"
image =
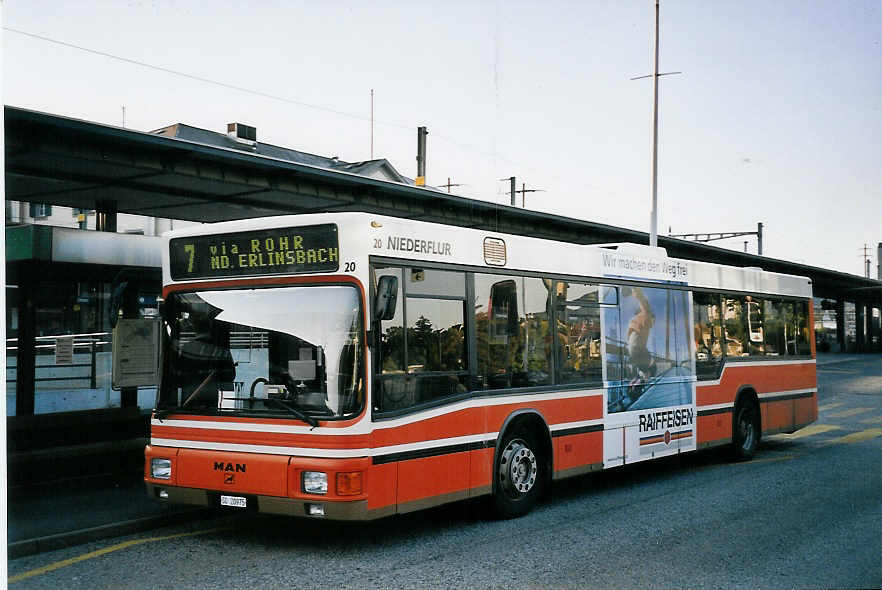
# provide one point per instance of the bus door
(419, 348)
(653, 398)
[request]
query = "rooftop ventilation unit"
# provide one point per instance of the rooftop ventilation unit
(242, 133)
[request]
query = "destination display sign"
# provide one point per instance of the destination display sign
(289, 250)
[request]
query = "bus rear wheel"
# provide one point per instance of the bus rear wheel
(745, 438)
(519, 475)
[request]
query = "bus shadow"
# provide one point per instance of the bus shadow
(675, 466)
(636, 474)
(289, 533)
(280, 532)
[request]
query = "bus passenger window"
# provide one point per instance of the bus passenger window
(708, 335)
(578, 342)
(435, 335)
(735, 325)
(773, 332)
(755, 316)
(435, 350)
(803, 346)
(512, 331)
(791, 327)
(503, 312)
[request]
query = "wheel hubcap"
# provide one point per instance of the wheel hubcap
(518, 468)
(747, 430)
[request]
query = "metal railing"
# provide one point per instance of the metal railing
(92, 341)
(250, 339)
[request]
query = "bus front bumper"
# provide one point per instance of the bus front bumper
(317, 508)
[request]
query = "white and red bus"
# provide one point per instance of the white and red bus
(354, 366)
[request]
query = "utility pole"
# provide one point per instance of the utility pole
(524, 190)
(420, 180)
(372, 123)
(759, 239)
(879, 261)
(513, 191)
(653, 216)
(653, 223)
(866, 261)
(450, 184)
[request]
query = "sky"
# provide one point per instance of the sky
(776, 117)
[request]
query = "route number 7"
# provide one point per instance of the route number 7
(190, 249)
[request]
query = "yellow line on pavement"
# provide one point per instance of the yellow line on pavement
(826, 407)
(876, 420)
(811, 431)
(861, 436)
(767, 460)
(91, 555)
(848, 413)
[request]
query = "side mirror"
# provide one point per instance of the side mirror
(387, 298)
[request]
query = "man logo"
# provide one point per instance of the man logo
(229, 478)
(227, 467)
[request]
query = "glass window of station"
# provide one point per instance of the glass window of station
(72, 350)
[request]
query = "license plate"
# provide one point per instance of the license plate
(234, 501)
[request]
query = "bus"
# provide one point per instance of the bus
(352, 366)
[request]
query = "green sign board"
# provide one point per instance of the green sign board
(289, 250)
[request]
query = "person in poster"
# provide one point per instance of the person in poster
(639, 328)
(653, 351)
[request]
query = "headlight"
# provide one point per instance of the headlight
(315, 482)
(160, 468)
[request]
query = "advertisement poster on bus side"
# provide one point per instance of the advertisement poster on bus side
(649, 371)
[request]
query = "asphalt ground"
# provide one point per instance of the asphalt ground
(805, 513)
(70, 512)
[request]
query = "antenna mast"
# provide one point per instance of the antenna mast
(653, 222)
(653, 216)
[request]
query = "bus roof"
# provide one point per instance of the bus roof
(363, 235)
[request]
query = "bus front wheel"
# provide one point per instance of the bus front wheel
(518, 472)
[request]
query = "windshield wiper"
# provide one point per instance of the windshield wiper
(163, 413)
(295, 412)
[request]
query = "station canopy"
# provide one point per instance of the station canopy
(182, 172)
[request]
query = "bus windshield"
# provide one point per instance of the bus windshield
(280, 351)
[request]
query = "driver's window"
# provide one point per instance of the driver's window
(423, 347)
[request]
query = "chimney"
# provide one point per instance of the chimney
(242, 133)
(420, 179)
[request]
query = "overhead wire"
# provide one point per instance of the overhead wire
(469, 147)
(202, 79)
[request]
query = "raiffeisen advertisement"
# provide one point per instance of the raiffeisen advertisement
(650, 375)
